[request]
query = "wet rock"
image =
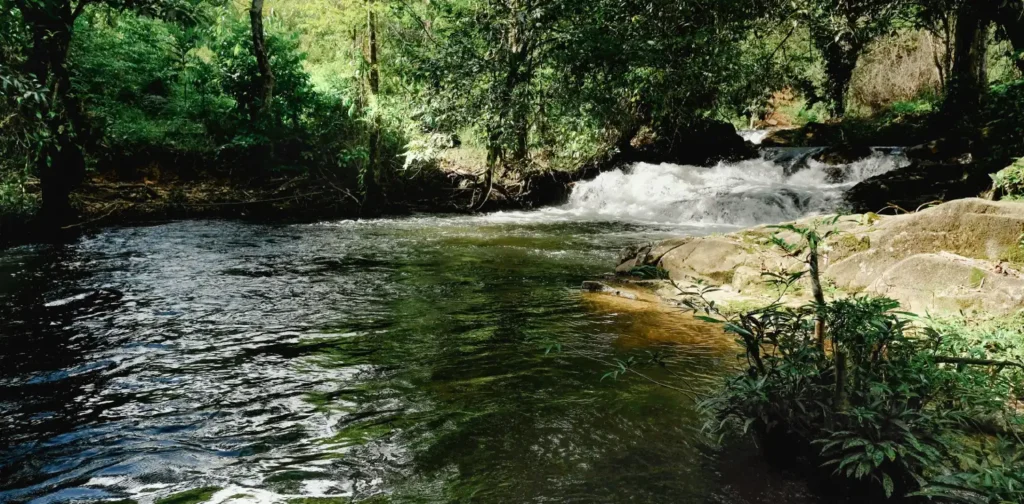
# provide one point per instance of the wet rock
(915, 185)
(632, 257)
(704, 144)
(942, 150)
(842, 154)
(810, 135)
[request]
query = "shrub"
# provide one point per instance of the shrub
(896, 68)
(1008, 183)
(877, 396)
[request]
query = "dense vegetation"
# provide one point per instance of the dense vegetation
(361, 97)
(881, 402)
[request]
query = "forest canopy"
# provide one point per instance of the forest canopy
(366, 94)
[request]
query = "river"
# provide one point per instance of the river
(419, 359)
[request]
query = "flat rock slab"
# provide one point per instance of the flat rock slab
(953, 257)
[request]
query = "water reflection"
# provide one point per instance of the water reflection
(394, 360)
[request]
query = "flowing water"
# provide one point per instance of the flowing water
(423, 359)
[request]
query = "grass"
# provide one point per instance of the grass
(977, 277)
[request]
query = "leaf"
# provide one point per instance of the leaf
(888, 485)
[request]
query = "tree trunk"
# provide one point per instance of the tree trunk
(371, 176)
(819, 297)
(969, 77)
(371, 26)
(60, 161)
(840, 61)
(259, 50)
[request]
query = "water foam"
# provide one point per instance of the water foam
(746, 193)
(755, 136)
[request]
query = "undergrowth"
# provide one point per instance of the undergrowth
(884, 403)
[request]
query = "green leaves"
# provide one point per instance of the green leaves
(903, 417)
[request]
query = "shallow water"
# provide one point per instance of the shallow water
(416, 360)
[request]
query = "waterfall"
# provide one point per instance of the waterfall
(784, 184)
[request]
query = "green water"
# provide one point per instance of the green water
(414, 360)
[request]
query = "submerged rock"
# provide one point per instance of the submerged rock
(601, 288)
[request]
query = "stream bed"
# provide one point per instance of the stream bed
(401, 360)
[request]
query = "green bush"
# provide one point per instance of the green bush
(879, 397)
(16, 202)
(1009, 182)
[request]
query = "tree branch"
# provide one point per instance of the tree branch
(976, 362)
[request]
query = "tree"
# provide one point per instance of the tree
(969, 76)
(60, 160)
(259, 50)
(371, 175)
(841, 30)
(60, 155)
(1009, 15)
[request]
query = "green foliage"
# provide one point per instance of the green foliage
(1009, 183)
(994, 472)
(1004, 116)
(240, 80)
(16, 202)
(878, 400)
(136, 90)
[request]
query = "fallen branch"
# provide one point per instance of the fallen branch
(976, 362)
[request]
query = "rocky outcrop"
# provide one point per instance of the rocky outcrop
(702, 144)
(956, 256)
(915, 185)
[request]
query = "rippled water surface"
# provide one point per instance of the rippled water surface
(389, 361)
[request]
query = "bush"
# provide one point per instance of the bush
(878, 396)
(896, 68)
(1008, 184)
(1004, 128)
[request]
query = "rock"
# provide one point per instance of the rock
(842, 154)
(950, 283)
(915, 185)
(943, 259)
(942, 150)
(810, 135)
(703, 144)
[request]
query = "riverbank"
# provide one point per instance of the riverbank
(452, 180)
(961, 256)
(838, 379)
(107, 198)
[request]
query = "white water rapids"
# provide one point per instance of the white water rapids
(784, 184)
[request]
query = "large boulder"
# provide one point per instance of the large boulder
(915, 185)
(812, 134)
(703, 144)
(962, 255)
